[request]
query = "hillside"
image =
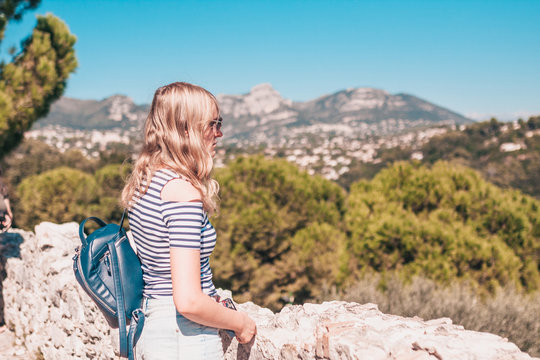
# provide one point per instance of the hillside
(506, 154)
(115, 112)
(263, 116)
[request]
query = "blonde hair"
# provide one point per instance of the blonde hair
(174, 139)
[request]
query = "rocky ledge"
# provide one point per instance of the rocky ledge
(52, 318)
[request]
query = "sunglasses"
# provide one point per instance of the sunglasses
(216, 124)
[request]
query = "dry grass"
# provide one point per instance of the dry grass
(508, 313)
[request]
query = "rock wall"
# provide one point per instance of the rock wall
(9, 247)
(53, 318)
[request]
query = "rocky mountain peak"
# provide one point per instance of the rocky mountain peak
(120, 107)
(262, 99)
(118, 97)
(369, 93)
(262, 115)
(264, 87)
(363, 98)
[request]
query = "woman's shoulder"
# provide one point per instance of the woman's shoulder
(177, 188)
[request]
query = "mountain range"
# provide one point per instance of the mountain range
(264, 116)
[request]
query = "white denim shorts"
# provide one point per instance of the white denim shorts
(167, 335)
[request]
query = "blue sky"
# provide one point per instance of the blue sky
(478, 58)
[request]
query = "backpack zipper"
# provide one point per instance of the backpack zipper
(107, 263)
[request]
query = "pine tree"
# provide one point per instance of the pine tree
(37, 75)
(279, 232)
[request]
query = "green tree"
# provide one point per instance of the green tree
(269, 208)
(66, 194)
(13, 10)
(478, 147)
(443, 222)
(33, 157)
(59, 195)
(317, 261)
(110, 180)
(116, 153)
(37, 75)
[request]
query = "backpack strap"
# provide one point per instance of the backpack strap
(127, 340)
(135, 330)
(122, 220)
(82, 235)
(137, 320)
(120, 304)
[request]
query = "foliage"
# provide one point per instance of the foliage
(273, 219)
(478, 147)
(13, 10)
(285, 236)
(444, 223)
(359, 170)
(65, 194)
(33, 157)
(36, 77)
(116, 153)
(59, 195)
(317, 259)
(110, 180)
(509, 313)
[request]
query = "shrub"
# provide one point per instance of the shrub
(274, 219)
(59, 195)
(443, 223)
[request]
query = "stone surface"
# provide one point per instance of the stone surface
(49, 316)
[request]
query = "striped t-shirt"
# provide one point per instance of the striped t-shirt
(157, 225)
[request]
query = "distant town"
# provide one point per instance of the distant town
(329, 157)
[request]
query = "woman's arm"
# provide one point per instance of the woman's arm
(8, 207)
(191, 302)
(8, 221)
(188, 296)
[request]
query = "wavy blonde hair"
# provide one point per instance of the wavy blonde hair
(174, 131)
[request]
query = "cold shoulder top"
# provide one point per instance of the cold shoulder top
(158, 225)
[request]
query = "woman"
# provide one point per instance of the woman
(169, 196)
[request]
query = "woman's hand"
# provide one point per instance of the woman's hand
(248, 330)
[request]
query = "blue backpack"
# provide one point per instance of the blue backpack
(110, 272)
